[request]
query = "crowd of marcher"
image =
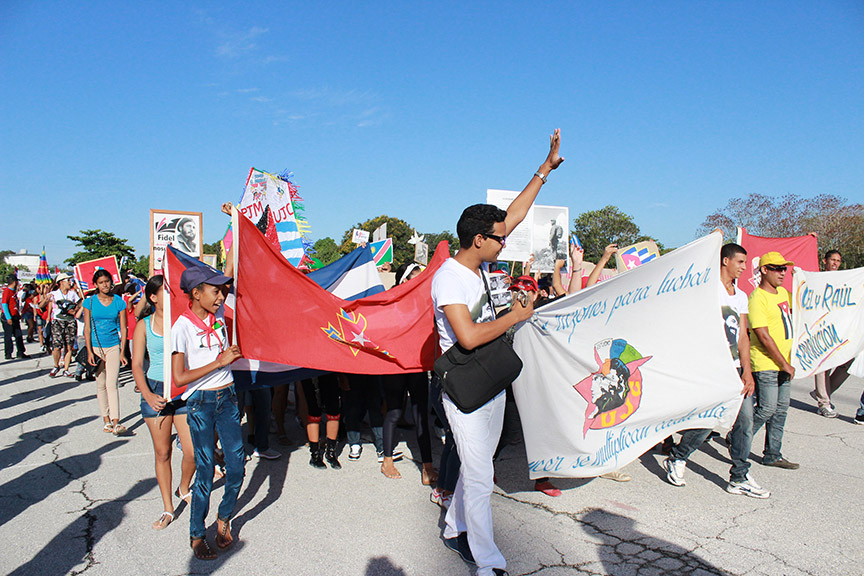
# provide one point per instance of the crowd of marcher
(123, 326)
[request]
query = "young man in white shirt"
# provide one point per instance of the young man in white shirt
(463, 314)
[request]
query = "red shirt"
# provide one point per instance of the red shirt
(10, 297)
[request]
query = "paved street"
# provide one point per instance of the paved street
(76, 500)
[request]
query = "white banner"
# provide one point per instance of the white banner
(614, 369)
(828, 319)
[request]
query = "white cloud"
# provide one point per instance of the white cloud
(241, 43)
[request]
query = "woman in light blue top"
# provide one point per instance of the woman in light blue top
(156, 411)
(105, 337)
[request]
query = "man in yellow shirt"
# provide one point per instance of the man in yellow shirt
(770, 309)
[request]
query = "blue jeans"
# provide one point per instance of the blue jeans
(212, 411)
(773, 389)
(860, 411)
(691, 440)
(740, 441)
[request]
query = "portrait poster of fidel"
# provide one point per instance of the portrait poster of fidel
(183, 230)
(614, 369)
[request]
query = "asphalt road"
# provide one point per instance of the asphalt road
(74, 500)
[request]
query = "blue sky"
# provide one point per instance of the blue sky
(667, 109)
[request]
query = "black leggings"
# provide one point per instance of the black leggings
(417, 386)
(322, 396)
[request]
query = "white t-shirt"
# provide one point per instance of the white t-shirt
(59, 303)
(454, 283)
(733, 307)
(192, 341)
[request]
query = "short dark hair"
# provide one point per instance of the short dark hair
(11, 279)
(478, 219)
(830, 253)
(730, 250)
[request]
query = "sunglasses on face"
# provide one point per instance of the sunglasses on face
(500, 239)
(773, 268)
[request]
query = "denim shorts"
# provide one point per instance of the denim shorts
(170, 409)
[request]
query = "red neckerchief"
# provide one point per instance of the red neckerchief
(205, 327)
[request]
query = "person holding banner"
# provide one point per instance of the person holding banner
(770, 347)
(105, 337)
(155, 410)
(464, 314)
(200, 363)
(829, 381)
(733, 261)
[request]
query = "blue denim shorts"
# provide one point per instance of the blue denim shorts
(170, 409)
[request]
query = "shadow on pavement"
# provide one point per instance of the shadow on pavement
(382, 566)
(39, 483)
(60, 555)
(271, 471)
(29, 442)
(626, 551)
(37, 412)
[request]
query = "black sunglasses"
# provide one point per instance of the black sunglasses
(774, 268)
(500, 239)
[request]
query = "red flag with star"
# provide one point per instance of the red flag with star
(282, 316)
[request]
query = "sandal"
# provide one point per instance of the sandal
(223, 534)
(164, 520)
(108, 427)
(202, 550)
(120, 430)
(185, 497)
(429, 478)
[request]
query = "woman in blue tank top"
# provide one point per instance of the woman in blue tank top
(156, 411)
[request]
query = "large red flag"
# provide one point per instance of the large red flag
(282, 316)
(802, 250)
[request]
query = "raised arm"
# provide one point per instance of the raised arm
(522, 203)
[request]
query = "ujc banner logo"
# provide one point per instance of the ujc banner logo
(352, 331)
(614, 391)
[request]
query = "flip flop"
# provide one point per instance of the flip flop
(108, 427)
(223, 534)
(161, 523)
(202, 550)
(185, 497)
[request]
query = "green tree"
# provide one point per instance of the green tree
(598, 228)
(433, 238)
(5, 268)
(214, 248)
(98, 244)
(326, 250)
(838, 224)
(397, 229)
(141, 267)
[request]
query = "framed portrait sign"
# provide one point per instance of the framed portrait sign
(183, 230)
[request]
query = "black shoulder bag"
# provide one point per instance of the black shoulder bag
(473, 377)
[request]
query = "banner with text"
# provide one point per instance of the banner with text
(612, 370)
(828, 318)
(264, 189)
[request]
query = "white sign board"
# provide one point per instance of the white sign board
(360, 236)
(518, 246)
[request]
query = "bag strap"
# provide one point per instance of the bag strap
(488, 294)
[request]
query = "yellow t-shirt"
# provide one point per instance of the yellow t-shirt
(772, 311)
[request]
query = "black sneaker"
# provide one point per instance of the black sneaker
(459, 544)
(859, 419)
(500, 572)
(782, 463)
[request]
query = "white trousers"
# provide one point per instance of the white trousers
(476, 436)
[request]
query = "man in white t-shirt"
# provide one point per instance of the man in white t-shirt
(463, 313)
(733, 304)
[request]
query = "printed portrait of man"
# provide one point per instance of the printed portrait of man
(186, 239)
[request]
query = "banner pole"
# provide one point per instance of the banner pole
(235, 258)
(166, 331)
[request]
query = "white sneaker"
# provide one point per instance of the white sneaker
(397, 456)
(748, 487)
(355, 451)
(268, 454)
(675, 471)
